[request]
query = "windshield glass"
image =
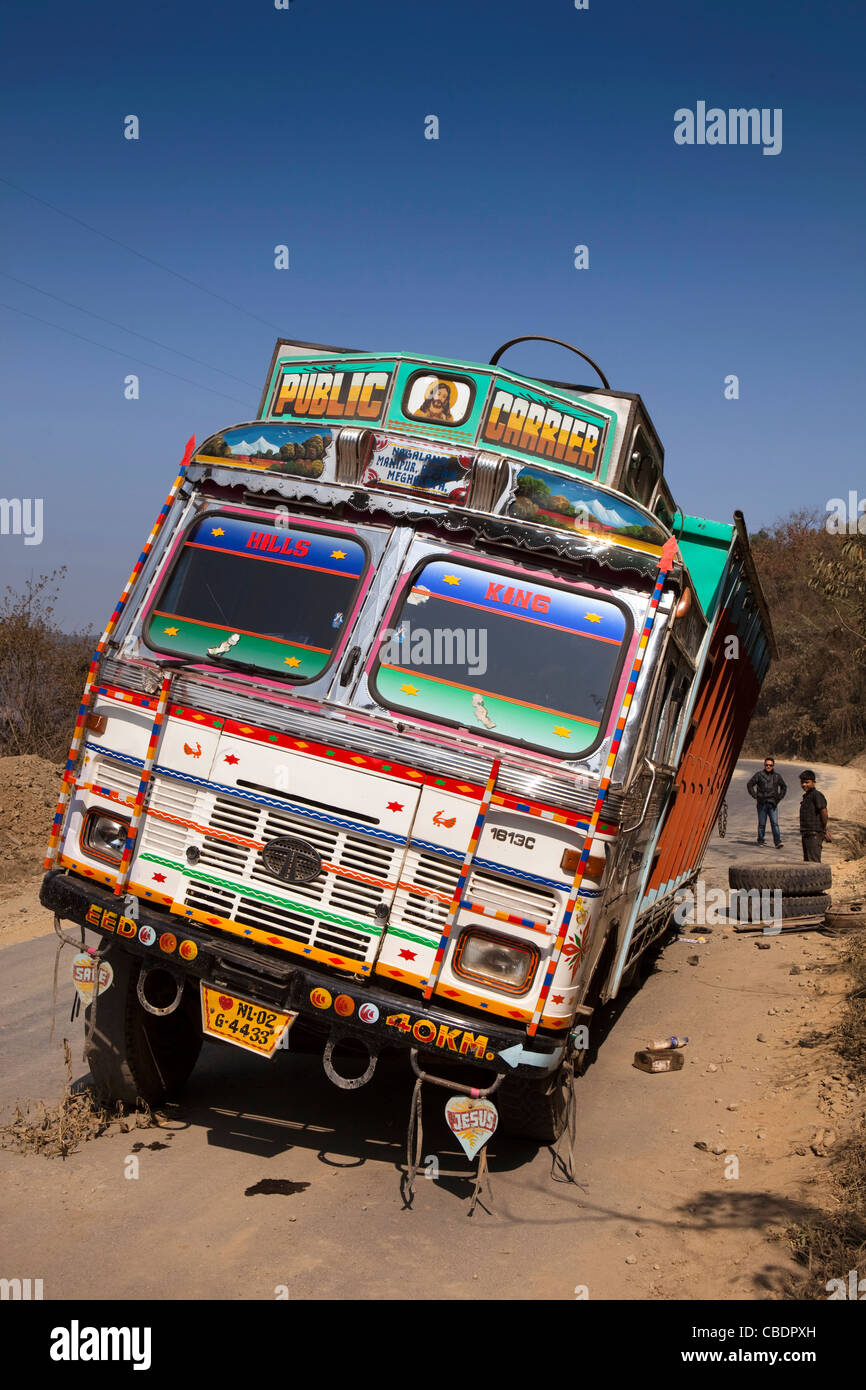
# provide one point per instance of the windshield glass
(274, 597)
(502, 654)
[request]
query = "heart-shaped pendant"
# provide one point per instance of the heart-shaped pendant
(84, 974)
(471, 1121)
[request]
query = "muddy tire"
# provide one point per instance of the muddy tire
(535, 1109)
(749, 910)
(796, 879)
(136, 1056)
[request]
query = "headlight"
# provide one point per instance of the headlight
(104, 836)
(496, 961)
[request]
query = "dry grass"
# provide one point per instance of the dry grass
(59, 1130)
(852, 1031)
(836, 1243)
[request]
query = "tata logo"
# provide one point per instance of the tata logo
(291, 860)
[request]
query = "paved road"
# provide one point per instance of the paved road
(192, 1224)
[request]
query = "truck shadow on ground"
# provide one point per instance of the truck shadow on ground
(270, 1109)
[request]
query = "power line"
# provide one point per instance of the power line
(132, 250)
(153, 341)
(105, 348)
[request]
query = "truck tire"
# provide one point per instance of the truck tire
(535, 1109)
(750, 910)
(134, 1055)
(815, 906)
(795, 879)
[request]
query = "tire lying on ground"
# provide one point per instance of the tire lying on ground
(751, 905)
(135, 1055)
(796, 879)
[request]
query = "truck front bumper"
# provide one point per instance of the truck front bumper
(337, 1004)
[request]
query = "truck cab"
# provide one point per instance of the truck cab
(392, 734)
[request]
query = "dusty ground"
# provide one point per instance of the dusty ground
(653, 1216)
(29, 789)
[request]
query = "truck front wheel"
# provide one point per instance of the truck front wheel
(134, 1055)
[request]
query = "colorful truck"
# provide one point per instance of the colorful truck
(417, 710)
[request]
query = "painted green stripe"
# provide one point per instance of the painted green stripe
(410, 936)
(306, 909)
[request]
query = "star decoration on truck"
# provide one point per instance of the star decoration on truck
(394, 806)
(231, 758)
(560, 732)
(450, 579)
(292, 661)
(171, 631)
(409, 689)
(217, 531)
(338, 554)
(592, 617)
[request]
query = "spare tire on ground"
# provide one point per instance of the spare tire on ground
(747, 905)
(796, 879)
(846, 917)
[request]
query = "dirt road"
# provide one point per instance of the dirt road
(651, 1215)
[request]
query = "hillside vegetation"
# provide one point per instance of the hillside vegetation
(813, 701)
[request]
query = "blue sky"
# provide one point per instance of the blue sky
(306, 127)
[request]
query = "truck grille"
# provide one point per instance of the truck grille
(496, 893)
(359, 858)
(118, 778)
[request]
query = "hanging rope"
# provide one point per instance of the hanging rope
(414, 1136)
(562, 1163)
(482, 1176)
(64, 940)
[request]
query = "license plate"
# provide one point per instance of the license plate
(242, 1022)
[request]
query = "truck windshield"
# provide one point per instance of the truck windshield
(273, 597)
(504, 655)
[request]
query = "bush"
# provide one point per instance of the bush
(813, 702)
(42, 671)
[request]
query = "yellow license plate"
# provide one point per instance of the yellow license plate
(243, 1023)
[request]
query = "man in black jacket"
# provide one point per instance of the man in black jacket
(768, 788)
(813, 818)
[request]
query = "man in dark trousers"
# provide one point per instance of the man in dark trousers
(768, 788)
(813, 818)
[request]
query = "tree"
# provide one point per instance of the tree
(42, 671)
(813, 701)
(841, 578)
(536, 488)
